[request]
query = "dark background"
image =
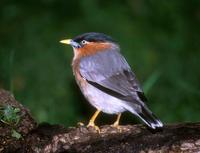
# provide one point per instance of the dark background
(160, 40)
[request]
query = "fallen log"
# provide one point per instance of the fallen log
(46, 138)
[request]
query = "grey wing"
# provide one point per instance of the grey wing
(109, 72)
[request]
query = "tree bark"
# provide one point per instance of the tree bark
(46, 138)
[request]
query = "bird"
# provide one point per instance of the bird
(106, 79)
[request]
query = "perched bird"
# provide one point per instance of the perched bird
(106, 79)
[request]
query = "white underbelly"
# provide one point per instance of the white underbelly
(102, 101)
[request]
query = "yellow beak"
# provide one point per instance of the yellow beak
(66, 41)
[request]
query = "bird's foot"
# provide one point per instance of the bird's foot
(116, 123)
(80, 124)
(91, 124)
(117, 126)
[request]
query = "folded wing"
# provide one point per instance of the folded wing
(109, 72)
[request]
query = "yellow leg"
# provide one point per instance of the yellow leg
(92, 120)
(116, 123)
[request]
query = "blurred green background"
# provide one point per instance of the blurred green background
(160, 40)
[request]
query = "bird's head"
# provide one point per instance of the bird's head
(90, 43)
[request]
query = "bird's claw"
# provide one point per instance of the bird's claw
(117, 126)
(91, 124)
(80, 124)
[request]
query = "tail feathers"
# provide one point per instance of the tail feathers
(149, 118)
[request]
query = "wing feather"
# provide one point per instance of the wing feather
(109, 72)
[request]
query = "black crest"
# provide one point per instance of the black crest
(93, 37)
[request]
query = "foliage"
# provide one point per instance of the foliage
(9, 115)
(16, 134)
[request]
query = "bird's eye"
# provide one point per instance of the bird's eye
(84, 42)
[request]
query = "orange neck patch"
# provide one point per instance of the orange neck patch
(92, 48)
